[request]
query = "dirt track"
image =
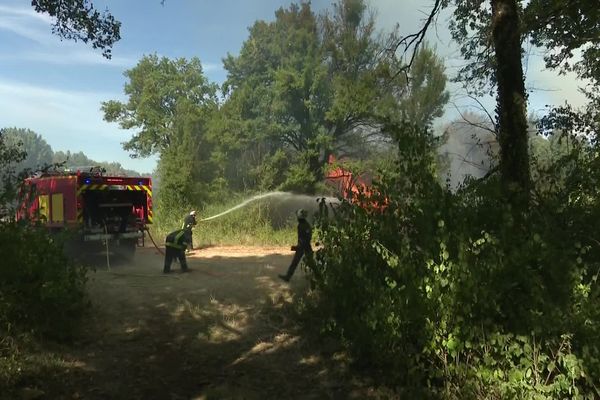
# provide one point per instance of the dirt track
(219, 332)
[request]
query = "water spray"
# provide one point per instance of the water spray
(246, 202)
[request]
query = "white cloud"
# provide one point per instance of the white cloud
(211, 67)
(28, 24)
(548, 87)
(71, 57)
(22, 27)
(27, 12)
(68, 120)
(544, 86)
(52, 110)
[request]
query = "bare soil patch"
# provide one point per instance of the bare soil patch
(222, 331)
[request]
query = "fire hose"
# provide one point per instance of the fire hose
(154, 243)
(106, 243)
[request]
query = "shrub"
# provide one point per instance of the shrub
(455, 295)
(41, 290)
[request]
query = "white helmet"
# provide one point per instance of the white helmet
(301, 214)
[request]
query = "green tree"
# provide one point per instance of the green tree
(79, 159)
(304, 87)
(10, 157)
(156, 87)
(78, 20)
(425, 96)
(278, 93)
(171, 103)
(491, 34)
(39, 153)
(565, 27)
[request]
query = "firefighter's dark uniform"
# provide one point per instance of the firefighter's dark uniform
(303, 247)
(175, 244)
(188, 223)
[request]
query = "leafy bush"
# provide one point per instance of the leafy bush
(41, 290)
(456, 295)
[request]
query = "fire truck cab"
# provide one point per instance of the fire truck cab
(94, 207)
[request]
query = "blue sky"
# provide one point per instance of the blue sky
(55, 88)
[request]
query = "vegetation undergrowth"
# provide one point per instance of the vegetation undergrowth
(42, 292)
(456, 295)
(42, 298)
(256, 224)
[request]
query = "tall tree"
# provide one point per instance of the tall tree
(10, 157)
(491, 34)
(512, 103)
(278, 91)
(424, 97)
(38, 151)
(170, 103)
(305, 86)
(158, 89)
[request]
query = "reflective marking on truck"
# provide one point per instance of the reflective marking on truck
(84, 187)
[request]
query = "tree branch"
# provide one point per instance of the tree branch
(415, 40)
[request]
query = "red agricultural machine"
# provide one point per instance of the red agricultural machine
(99, 210)
(354, 188)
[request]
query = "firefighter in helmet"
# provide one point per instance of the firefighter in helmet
(189, 222)
(175, 245)
(303, 247)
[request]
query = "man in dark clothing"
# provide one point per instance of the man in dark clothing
(188, 223)
(303, 246)
(175, 245)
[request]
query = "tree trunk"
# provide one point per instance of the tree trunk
(512, 112)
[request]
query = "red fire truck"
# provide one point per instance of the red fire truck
(94, 207)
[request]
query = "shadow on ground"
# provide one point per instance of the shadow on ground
(223, 331)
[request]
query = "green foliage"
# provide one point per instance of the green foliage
(564, 28)
(453, 296)
(278, 96)
(426, 95)
(79, 159)
(40, 288)
(306, 86)
(172, 103)
(39, 153)
(160, 91)
(78, 20)
(508, 366)
(10, 156)
(255, 224)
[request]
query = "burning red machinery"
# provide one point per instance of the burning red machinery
(354, 188)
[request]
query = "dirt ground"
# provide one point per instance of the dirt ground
(222, 331)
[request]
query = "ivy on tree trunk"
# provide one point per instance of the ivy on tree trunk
(511, 108)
